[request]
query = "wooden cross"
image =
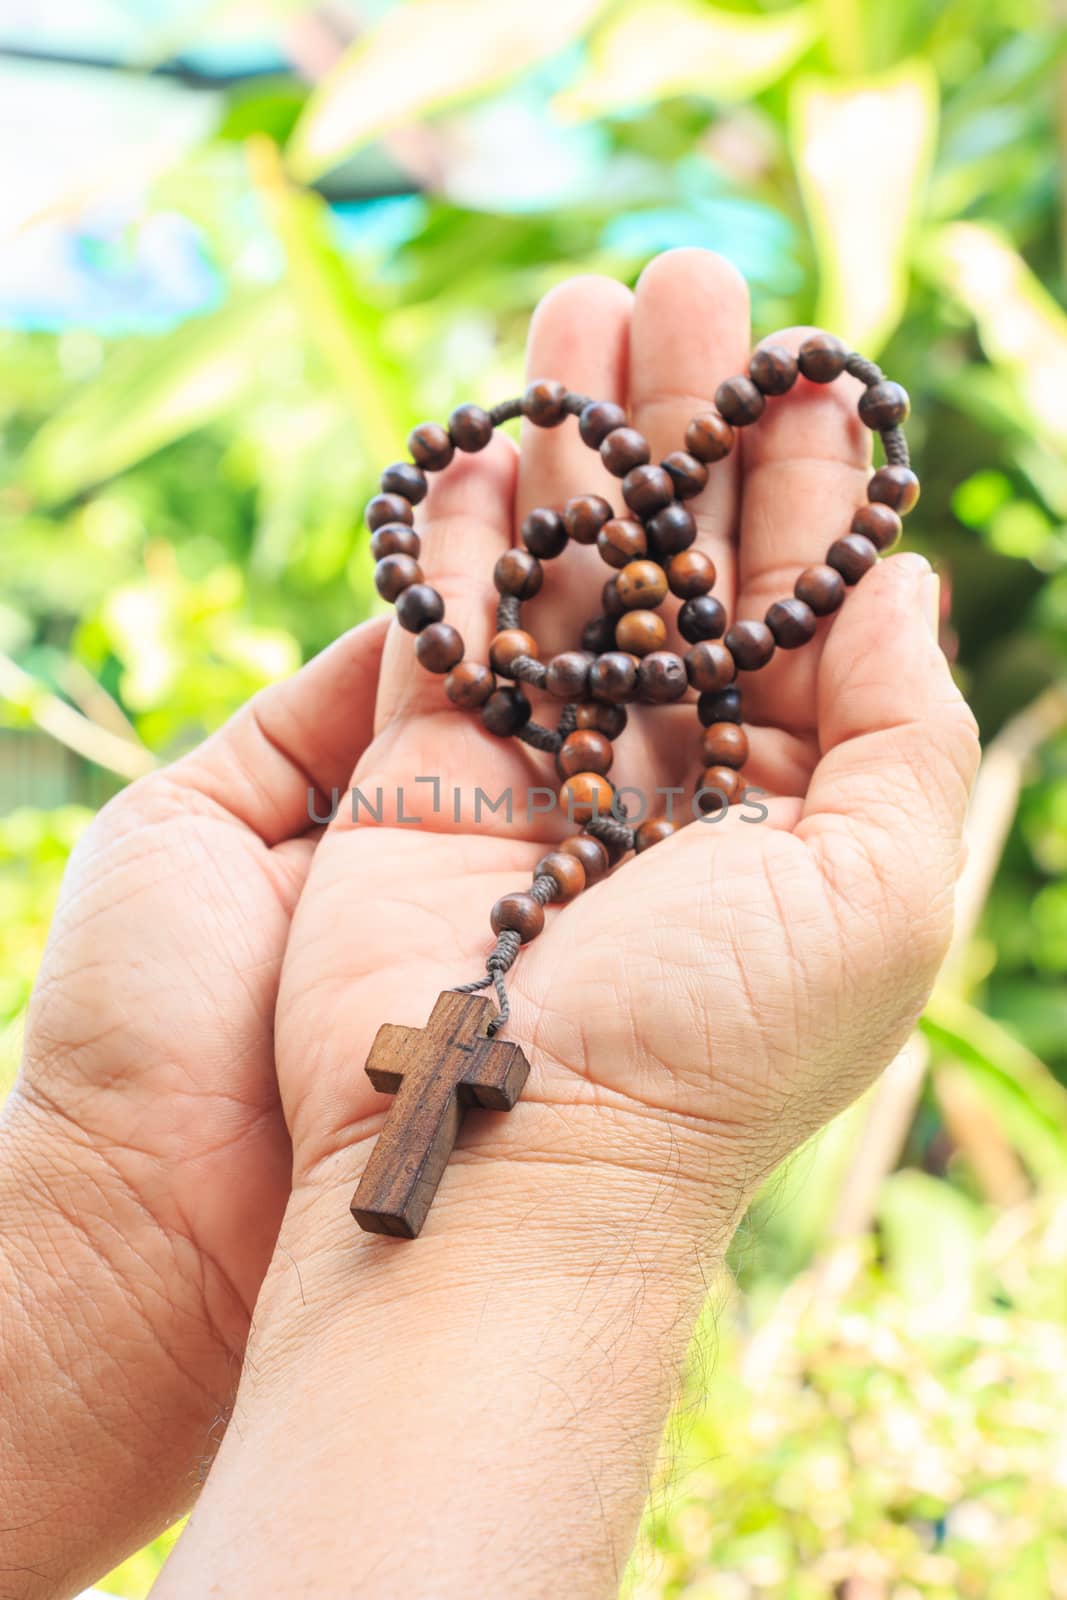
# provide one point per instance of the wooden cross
(435, 1072)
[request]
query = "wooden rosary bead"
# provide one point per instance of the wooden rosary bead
(647, 490)
(710, 666)
(388, 508)
(773, 369)
(518, 913)
(724, 744)
(506, 711)
(851, 556)
(586, 795)
(611, 600)
(623, 449)
(394, 574)
(518, 573)
(884, 405)
(543, 403)
(394, 539)
(820, 587)
(439, 647)
(709, 437)
(417, 606)
(591, 853)
(751, 644)
(584, 750)
(613, 677)
(567, 675)
(565, 870)
(543, 533)
(597, 420)
(430, 446)
(690, 574)
(724, 705)
(642, 583)
(506, 647)
(661, 678)
(606, 719)
(821, 358)
(739, 401)
(470, 428)
(688, 475)
(584, 516)
(598, 635)
(621, 540)
(640, 632)
(469, 685)
(894, 486)
(703, 617)
(719, 786)
(404, 479)
(671, 531)
(653, 831)
(792, 623)
(880, 524)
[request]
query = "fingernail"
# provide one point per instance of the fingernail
(930, 596)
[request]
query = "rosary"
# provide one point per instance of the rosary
(455, 1061)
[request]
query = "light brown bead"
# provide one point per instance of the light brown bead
(586, 795)
(739, 401)
(709, 437)
(792, 623)
(688, 475)
(405, 479)
(469, 685)
(584, 750)
(710, 666)
(852, 556)
(773, 369)
(590, 852)
(518, 573)
(388, 508)
(751, 644)
(544, 403)
(690, 573)
(518, 913)
(725, 785)
(647, 490)
(584, 516)
(724, 744)
(613, 677)
(880, 524)
(671, 531)
(430, 446)
(821, 588)
(640, 632)
(621, 541)
(394, 574)
(653, 831)
(884, 405)
(567, 675)
(641, 584)
(894, 486)
(609, 720)
(623, 449)
(566, 871)
(471, 428)
(821, 358)
(506, 647)
(439, 647)
(394, 539)
(661, 678)
(597, 420)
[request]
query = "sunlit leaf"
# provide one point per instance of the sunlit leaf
(931, 1235)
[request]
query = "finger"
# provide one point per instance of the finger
(806, 464)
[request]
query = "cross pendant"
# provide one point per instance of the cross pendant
(435, 1072)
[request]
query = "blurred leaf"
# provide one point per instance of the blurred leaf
(862, 151)
(931, 1235)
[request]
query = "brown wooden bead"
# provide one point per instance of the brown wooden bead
(653, 831)
(597, 420)
(724, 744)
(394, 539)
(851, 556)
(821, 358)
(586, 795)
(590, 852)
(751, 644)
(710, 666)
(394, 573)
(621, 540)
(405, 479)
(690, 573)
(884, 405)
(518, 573)
(773, 369)
(566, 871)
(584, 516)
(880, 524)
(609, 720)
(792, 623)
(469, 685)
(671, 531)
(544, 403)
(506, 647)
(543, 533)
(388, 508)
(584, 750)
(821, 588)
(894, 486)
(642, 583)
(688, 475)
(623, 449)
(647, 490)
(703, 617)
(567, 675)
(418, 606)
(709, 437)
(724, 705)
(506, 711)
(471, 428)
(611, 600)
(430, 446)
(518, 913)
(661, 678)
(640, 632)
(739, 401)
(598, 635)
(439, 647)
(725, 786)
(613, 677)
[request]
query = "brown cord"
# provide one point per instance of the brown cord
(501, 959)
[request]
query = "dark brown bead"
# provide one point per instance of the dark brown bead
(792, 623)
(608, 720)
(471, 428)
(621, 540)
(647, 490)
(584, 516)
(690, 573)
(469, 685)
(773, 369)
(590, 852)
(388, 508)
(710, 666)
(880, 524)
(507, 646)
(709, 437)
(641, 584)
(598, 419)
(623, 449)
(851, 556)
(894, 486)
(739, 401)
(418, 606)
(719, 787)
(567, 675)
(584, 750)
(518, 913)
(544, 403)
(598, 635)
(405, 479)
(506, 711)
(611, 600)
(653, 831)
(586, 795)
(613, 677)
(566, 871)
(821, 358)
(751, 644)
(543, 533)
(394, 539)
(518, 573)
(640, 632)
(688, 475)
(671, 531)
(394, 573)
(661, 678)
(724, 744)
(701, 618)
(430, 446)
(884, 405)
(439, 647)
(724, 705)
(821, 588)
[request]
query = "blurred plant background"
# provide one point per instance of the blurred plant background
(247, 246)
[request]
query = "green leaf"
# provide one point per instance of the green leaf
(931, 1234)
(422, 57)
